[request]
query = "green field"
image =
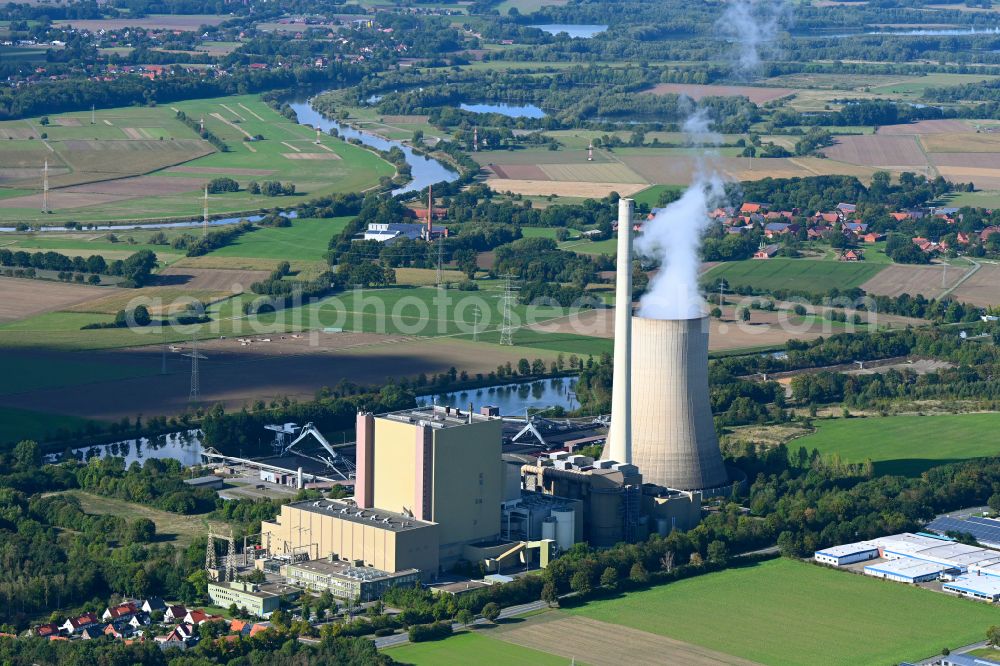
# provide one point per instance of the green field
(18, 424)
(471, 647)
(305, 240)
(398, 310)
(585, 246)
(799, 274)
(547, 232)
(788, 612)
(651, 195)
(29, 373)
(131, 141)
(906, 445)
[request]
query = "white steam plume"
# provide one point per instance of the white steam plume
(673, 237)
(751, 25)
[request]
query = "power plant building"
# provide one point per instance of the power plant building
(346, 581)
(375, 538)
(673, 436)
(617, 506)
(428, 485)
(437, 464)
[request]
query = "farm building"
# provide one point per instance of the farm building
(849, 553)
(766, 251)
(984, 588)
(906, 570)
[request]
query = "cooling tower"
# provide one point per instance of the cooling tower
(620, 432)
(673, 437)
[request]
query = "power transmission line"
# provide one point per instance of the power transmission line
(195, 379)
(507, 329)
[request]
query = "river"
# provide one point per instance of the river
(423, 170)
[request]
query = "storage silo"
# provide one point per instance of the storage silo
(565, 521)
(673, 441)
(549, 528)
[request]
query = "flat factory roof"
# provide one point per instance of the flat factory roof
(387, 520)
(985, 585)
(907, 567)
(846, 549)
(436, 416)
(341, 569)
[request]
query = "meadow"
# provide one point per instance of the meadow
(801, 274)
(906, 445)
(180, 530)
(788, 612)
(305, 240)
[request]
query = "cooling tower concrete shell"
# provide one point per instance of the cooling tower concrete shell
(673, 437)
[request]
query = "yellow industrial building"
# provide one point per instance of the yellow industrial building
(388, 541)
(428, 484)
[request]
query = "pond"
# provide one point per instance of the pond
(512, 399)
(509, 110)
(423, 170)
(184, 447)
(574, 30)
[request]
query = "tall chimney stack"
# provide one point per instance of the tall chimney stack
(619, 445)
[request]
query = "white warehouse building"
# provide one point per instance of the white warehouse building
(906, 570)
(849, 553)
(916, 558)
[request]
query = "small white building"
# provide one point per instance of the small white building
(984, 588)
(848, 553)
(906, 570)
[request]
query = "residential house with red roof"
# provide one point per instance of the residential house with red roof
(120, 611)
(75, 625)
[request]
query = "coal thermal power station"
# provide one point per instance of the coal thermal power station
(661, 417)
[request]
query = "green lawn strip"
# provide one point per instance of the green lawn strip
(788, 612)
(906, 445)
(471, 647)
